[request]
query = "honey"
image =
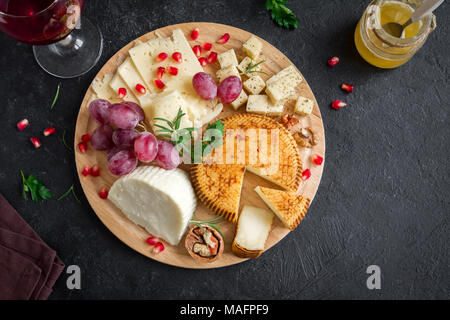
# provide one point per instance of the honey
(377, 46)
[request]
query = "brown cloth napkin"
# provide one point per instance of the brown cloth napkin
(28, 267)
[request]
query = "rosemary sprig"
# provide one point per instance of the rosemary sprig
(56, 96)
(251, 68)
(64, 140)
(212, 223)
(71, 189)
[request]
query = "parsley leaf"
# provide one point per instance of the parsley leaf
(282, 15)
(36, 188)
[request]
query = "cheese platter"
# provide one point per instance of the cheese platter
(188, 214)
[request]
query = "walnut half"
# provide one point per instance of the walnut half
(205, 247)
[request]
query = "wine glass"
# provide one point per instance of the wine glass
(63, 44)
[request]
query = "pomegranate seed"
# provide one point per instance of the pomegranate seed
(337, 104)
(86, 137)
(36, 142)
(158, 248)
(82, 147)
(49, 131)
(103, 193)
(86, 171)
(152, 240)
(194, 34)
(161, 57)
(22, 124)
(159, 84)
(95, 171)
(317, 159)
(347, 87)
(176, 56)
(333, 61)
(140, 88)
(207, 46)
(197, 50)
(173, 71)
(203, 61)
(212, 57)
(160, 72)
(306, 174)
(121, 93)
(224, 39)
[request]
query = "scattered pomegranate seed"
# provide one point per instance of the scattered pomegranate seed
(82, 147)
(194, 34)
(159, 84)
(207, 46)
(22, 124)
(158, 248)
(197, 50)
(333, 61)
(173, 71)
(49, 131)
(347, 87)
(212, 57)
(103, 193)
(306, 174)
(121, 93)
(140, 88)
(152, 240)
(160, 72)
(337, 104)
(36, 142)
(176, 56)
(86, 171)
(161, 57)
(203, 61)
(317, 159)
(86, 137)
(224, 39)
(95, 171)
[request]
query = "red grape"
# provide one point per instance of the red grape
(229, 89)
(146, 147)
(122, 162)
(101, 138)
(123, 116)
(113, 151)
(136, 108)
(205, 86)
(124, 137)
(168, 156)
(98, 109)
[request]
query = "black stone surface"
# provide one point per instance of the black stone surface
(384, 196)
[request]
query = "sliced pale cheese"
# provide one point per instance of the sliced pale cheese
(161, 201)
(116, 83)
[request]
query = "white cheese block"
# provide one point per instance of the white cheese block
(252, 47)
(245, 63)
(236, 104)
(227, 58)
(254, 85)
(275, 109)
(282, 85)
(222, 74)
(258, 104)
(253, 228)
(304, 106)
(161, 201)
(116, 83)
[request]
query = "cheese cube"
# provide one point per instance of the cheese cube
(222, 74)
(258, 104)
(275, 109)
(304, 106)
(254, 85)
(245, 63)
(236, 104)
(227, 58)
(252, 47)
(281, 86)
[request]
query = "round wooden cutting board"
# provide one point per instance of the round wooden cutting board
(133, 235)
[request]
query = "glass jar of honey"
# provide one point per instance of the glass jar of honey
(380, 48)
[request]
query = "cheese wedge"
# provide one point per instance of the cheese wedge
(289, 207)
(116, 83)
(103, 89)
(161, 201)
(252, 230)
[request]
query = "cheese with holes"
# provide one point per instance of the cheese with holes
(252, 47)
(227, 58)
(281, 86)
(241, 100)
(161, 201)
(304, 106)
(254, 85)
(222, 74)
(253, 228)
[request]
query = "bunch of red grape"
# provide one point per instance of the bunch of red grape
(116, 134)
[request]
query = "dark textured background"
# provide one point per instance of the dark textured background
(384, 196)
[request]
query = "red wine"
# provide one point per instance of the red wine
(39, 22)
